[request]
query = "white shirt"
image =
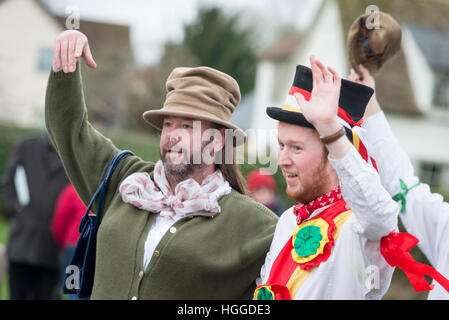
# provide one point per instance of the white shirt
(426, 215)
(163, 223)
(355, 269)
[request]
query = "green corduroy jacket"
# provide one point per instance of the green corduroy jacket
(205, 256)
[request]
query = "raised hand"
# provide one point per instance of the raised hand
(321, 110)
(70, 46)
(368, 80)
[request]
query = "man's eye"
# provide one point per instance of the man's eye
(281, 145)
(187, 126)
(297, 148)
(167, 124)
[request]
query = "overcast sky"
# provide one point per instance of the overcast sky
(153, 22)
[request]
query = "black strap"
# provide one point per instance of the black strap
(101, 190)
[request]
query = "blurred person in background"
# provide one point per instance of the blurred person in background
(262, 188)
(423, 213)
(32, 183)
(69, 212)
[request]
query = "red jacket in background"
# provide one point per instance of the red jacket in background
(69, 211)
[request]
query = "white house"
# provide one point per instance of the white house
(426, 137)
(413, 87)
(28, 34)
(29, 31)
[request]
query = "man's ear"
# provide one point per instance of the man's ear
(331, 171)
(223, 137)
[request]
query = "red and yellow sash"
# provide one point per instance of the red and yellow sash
(309, 246)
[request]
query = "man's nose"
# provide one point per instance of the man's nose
(174, 137)
(284, 157)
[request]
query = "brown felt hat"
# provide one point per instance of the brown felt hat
(200, 93)
(371, 45)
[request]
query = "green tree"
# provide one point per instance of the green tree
(148, 85)
(218, 41)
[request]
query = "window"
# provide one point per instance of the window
(441, 93)
(45, 59)
(431, 173)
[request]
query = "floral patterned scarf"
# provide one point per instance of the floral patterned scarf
(189, 196)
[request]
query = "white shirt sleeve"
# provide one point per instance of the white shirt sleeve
(426, 215)
(374, 210)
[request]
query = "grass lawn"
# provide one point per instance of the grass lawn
(4, 228)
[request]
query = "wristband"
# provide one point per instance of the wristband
(333, 137)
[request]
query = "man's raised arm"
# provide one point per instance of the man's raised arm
(424, 214)
(84, 152)
(361, 187)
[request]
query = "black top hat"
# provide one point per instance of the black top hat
(354, 98)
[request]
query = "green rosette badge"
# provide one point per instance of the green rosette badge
(307, 241)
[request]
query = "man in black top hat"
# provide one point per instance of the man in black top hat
(322, 250)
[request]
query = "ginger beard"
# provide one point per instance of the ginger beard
(311, 186)
(303, 160)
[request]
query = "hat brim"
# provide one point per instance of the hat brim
(156, 119)
(288, 117)
(295, 118)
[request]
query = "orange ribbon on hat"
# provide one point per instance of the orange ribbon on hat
(395, 248)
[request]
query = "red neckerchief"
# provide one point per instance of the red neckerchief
(303, 211)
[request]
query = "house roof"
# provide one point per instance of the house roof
(282, 48)
(433, 44)
(393, 86)
(103, 36)
(428, 20)
(243, 113)
(425, 13)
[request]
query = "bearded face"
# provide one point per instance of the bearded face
(178, 160)
(182, 149)
(303, 161)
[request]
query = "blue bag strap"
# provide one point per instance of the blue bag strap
(101, 190)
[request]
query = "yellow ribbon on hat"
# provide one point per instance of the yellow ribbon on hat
(286, 107)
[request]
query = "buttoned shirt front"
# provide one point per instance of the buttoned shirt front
(164, 223)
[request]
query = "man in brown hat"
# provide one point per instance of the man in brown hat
(181, 228)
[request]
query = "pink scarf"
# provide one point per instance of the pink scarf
(140, 191)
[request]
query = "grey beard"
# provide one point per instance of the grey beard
(181, 172)
(186, 169)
